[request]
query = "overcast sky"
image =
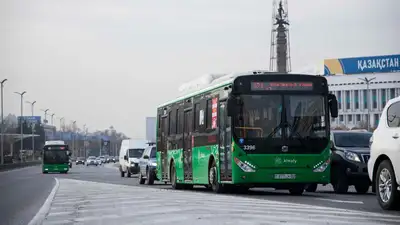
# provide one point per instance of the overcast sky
(112, 62)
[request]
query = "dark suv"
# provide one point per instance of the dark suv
(350, 155)
(147, 166)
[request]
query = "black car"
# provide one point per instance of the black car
(114, 159)
(79, 161)
(350, 155)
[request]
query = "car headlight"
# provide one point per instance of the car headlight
(352, 156)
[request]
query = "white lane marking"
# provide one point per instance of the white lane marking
(340, 201)
(42, 213)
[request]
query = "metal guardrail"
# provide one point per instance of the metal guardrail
(18, 165)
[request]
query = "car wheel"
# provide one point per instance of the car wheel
(339, 180)
(362, 187)
(312, 187)
(149, 177)
(141, 179)
(386, 186)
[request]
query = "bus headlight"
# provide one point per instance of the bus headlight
(245, 167)
(321, 167)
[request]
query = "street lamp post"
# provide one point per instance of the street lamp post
(33, 129)
(45, 121)
(84, 140)
(61, 131)
(368, 81)
(74, 137)
(61, 120)
(2, 124)
(52, 118)
(45, 114)
(22, 113)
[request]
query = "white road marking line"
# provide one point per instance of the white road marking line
(41, 215)
(340, 201)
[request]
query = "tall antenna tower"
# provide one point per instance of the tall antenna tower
(280, 45)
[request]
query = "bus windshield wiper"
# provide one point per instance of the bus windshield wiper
(292, 131)
(275, 130)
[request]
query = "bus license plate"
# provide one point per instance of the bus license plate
(285, 176)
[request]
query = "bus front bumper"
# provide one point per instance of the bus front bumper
(55, 168)
(273, 176)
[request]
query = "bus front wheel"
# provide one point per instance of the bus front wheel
(312, 187)
(213, 179)
(174, 179)
(296, 190)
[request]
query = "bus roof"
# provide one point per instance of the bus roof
(54, 143)
(220, 82)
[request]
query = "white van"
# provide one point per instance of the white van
(129, 155)
(384, 163)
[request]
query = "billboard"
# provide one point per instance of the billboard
(33, 122)
(358, 65)
(151, 124)
(29, 119)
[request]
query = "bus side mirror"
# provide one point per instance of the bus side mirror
(125, 157)
(333, 105)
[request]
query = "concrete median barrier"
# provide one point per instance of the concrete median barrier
(18, 165)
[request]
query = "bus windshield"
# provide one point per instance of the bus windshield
(55, 157)
(263, 116)
(258, 115)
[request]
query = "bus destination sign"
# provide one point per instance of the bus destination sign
(281, 86)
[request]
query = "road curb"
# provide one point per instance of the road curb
(42, 213)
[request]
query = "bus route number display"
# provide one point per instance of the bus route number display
(281, 86)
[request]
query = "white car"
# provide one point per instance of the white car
(99, 161)
(91, 160)
(384, 164)
(129, 154)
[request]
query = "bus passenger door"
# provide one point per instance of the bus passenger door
(224, 143)
(164, 150)
(187, 145)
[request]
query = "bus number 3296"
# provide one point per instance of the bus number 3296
(249, 147)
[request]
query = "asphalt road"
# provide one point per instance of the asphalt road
(23, 191)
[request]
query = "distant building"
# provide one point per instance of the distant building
(347, 80)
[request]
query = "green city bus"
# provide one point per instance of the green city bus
(55, 157)
(251, 130)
